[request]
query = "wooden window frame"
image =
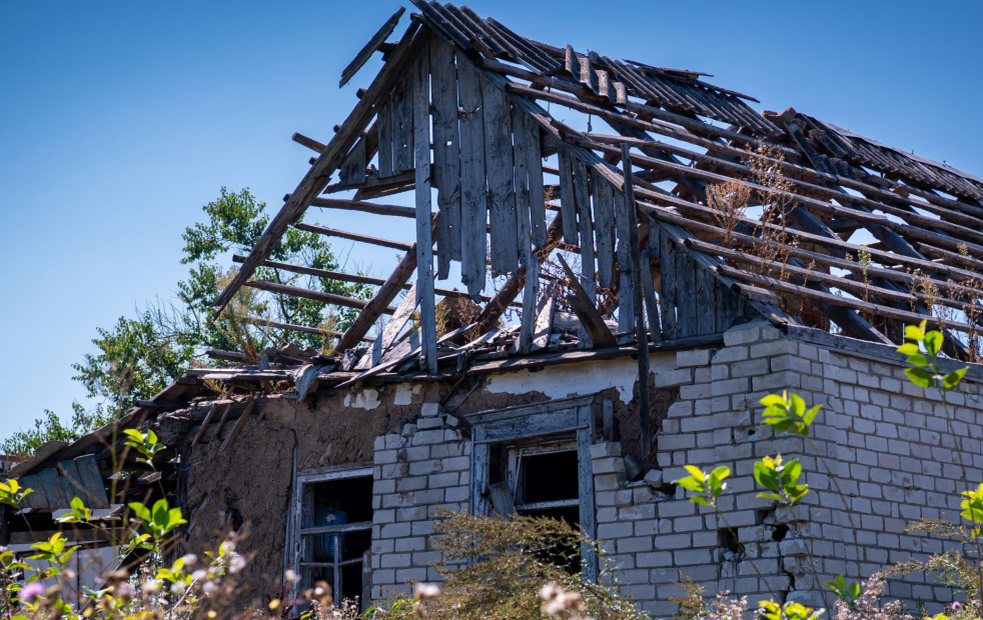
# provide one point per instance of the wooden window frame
(541, 422)
(296, 531)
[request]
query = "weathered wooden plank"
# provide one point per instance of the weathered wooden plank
(399, 318)
(626, 304)
(728, 308)
(446, 153)
(544, 318)
(705, 302)
(501, 498)
(668, 288)
(474, 205)
(499, 171)
(366, 52)
(583, 306)
(402, 109)
(581, 190)
(222, 420)
(585, 477)
(204, 425)
(529, 315)
(352, 169)
(604, 231)
(424, 216)
(522, 192)
(653, 248)
(385, 125)
(530, 200)
(568, 203)
(326, 298)
(685, 293)
(479, 504)
(92, 487)
(237, 427)
(641, 338)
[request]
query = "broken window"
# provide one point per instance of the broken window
(334, 519)
(544, 481)
(535, 460)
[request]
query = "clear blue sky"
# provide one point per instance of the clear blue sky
(119, 120)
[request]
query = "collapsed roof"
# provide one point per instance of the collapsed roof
(735, 212)
(681, 208)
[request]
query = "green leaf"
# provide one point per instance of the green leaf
(141, 511)
(811, 414)
(919, 377)
(918, 359)
(696, 472)
(915, 333)
(691, 484)
(908, 348)
(951, 380)
(933, 342)
(766, 476)
(772, 400)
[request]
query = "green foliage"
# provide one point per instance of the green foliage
(846, 592)
(923, 356)
(11, 492)
(707, 487)
(972, 508)
(144, 443)
(789, 611)
(788, 414)
(781, 479)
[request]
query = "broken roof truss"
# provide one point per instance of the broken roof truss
(727, 213)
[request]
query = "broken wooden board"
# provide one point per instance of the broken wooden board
(366, 52)
(55, 487)
(590, 319)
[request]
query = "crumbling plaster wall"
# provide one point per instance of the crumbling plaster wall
(885, 442)
(248, 484)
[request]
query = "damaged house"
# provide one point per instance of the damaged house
(643, 257)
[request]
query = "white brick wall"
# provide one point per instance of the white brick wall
(424, 467)
(889, 451)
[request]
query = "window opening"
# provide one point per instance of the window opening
(335, 531)
(544, 482)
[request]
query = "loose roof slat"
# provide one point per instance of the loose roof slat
(366, 52)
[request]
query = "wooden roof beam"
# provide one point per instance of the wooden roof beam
(326, 298)
(318, 176)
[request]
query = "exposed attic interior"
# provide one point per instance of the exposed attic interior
(514, 153)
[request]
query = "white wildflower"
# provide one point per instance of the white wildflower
(425, 591)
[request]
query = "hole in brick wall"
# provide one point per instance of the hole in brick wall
(727, 538)
(764, 517)
(779, 532)
(728, 541)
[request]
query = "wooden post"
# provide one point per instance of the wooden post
(424, 217)
(641, 338)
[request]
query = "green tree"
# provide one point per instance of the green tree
(140, 356)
